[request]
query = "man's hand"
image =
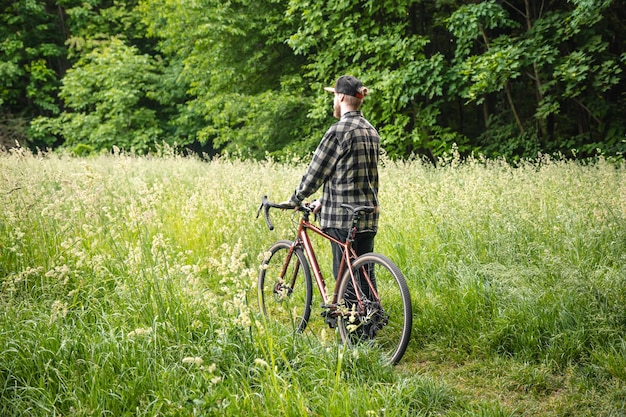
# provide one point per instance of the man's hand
(292, 202)
(316, 205)
(288, 203)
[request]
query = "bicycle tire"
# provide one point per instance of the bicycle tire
(387, 328)
(282, 302)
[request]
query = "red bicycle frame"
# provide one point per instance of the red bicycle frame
(349, 255)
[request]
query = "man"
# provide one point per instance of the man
(346, 164)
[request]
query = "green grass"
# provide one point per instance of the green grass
(127, 287)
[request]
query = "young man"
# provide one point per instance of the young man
(346, 164)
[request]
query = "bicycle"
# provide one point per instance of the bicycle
(378, 312)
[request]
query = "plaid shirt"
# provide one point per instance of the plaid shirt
(346, 163)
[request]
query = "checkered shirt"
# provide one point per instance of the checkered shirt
(346, 164)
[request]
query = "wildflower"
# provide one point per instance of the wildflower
(352, 316)
(243, 319)
(264, 257)
(61, 273)
(59, 310)
(140, 332)
(18, 234)
(196, 360)
(159, 245)
(260, 362)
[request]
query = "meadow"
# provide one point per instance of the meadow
(127, 288)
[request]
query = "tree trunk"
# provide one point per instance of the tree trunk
(507, 90)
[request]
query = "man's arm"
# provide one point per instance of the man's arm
(320, 168)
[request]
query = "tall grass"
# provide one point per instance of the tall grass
(127, 288)
(530, 259)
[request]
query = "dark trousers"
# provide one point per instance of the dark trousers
(363, 243)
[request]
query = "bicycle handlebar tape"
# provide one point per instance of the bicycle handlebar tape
(267, 218)
(266, 212)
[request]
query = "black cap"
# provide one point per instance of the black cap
(347, 84)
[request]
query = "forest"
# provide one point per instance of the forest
(507, 79)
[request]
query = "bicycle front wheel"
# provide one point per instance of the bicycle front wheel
(375, 306)
(284, 286)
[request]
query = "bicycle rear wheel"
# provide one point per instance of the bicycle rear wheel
(384, 315)
(284, 287)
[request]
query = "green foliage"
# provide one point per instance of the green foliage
(101, 19)
(104, 111)
(246, 99)
(473, 21)
(568, 68)
(83, 150)
(31, 44)
(245, 78)
(378, 43)
(490, 72)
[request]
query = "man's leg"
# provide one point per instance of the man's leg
(364, 243)
(340, 235)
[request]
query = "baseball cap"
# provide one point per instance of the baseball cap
(347, 84)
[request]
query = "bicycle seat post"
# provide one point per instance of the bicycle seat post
(355, 219)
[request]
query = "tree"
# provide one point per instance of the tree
(31, 62)
(380, 42)
(116, 93)
(551, 67)
(244, 91)
(503, 78)
(531, 76)
(111, 100)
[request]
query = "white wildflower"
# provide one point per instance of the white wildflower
(196, 360)
(140, 332)
(352, 327)
(260, 362)
(59, 310)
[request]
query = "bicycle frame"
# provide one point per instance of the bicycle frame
(303, 241)
(349, 255)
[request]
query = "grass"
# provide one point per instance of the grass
(127, 287)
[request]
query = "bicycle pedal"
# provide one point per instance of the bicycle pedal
(332, 322)
(329, 319)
